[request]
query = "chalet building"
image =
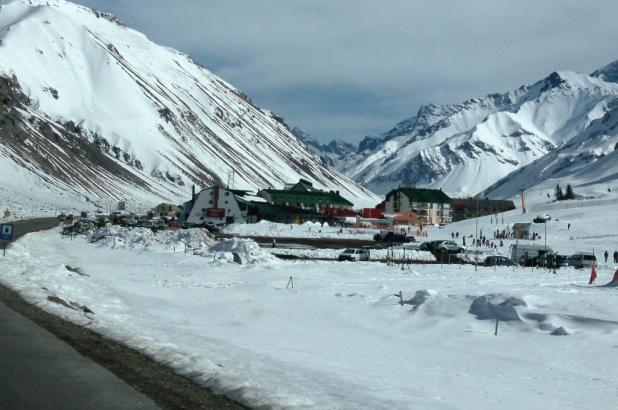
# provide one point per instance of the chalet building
(217, 205)
(466, 208)
(304, 196)
(431, 206)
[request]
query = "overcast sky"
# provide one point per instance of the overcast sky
(346, 69)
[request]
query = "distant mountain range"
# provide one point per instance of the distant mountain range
(559, 129)
(94, 110)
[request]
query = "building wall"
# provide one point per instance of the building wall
(428, 213)
(207, 199)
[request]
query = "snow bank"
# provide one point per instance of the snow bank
(488, 306)
(305, 230)
(247, 250)
(118, 236)
(374, 254)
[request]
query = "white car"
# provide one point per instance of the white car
(354, 255)
(449, 247)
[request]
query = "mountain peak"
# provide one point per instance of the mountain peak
(609, 73)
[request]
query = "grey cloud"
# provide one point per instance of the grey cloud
(383, 58)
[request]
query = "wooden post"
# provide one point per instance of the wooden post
(497, 320)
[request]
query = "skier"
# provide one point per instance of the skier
(569, 226)
(452, 235)
(606, 255)
(615, 256)
(457, 235)
(464, 244)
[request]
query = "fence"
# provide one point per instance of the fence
(572, 204)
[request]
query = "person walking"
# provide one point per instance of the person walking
(615, 256)
(606, 256)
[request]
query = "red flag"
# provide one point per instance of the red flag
(593, 275)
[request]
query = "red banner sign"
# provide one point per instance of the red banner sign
(215, 212)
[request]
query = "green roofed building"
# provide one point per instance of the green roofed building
(432, 206)
(304, 196)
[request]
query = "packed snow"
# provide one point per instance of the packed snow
(306, 230)
(330, 335)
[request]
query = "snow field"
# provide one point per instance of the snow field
(340, 338)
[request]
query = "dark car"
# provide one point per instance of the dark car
(431, 246)
(496, 260)
(392, 237)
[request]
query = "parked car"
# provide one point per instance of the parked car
(449, 247)
(496, 260)
(393, 237)
(354, 255)
(432, 246)
(582, 260)
(540, 219)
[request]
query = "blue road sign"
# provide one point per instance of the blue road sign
(6, 232)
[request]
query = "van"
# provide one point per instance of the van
(527, 254)
(582, 260)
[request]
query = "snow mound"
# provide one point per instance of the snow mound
(118, 236)
(247, 249)
(561, 331)
(488, 306)
(420, 297)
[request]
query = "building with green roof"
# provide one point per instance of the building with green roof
(431, 206)
(304, 196)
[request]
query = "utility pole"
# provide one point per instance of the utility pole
(476, 233)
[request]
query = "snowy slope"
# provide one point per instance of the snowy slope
(96, 108)
(589, 162)
(465, 148)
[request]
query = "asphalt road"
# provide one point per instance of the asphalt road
(48, 363)
(40, 371)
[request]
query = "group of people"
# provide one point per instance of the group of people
(482, 241)
(606, 254)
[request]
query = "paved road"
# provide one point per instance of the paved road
(48, 363)
(33, 225)
(39, 371)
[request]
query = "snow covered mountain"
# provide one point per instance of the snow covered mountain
(92, 109)
(589, 162)
(465, 148)
(330, 153)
